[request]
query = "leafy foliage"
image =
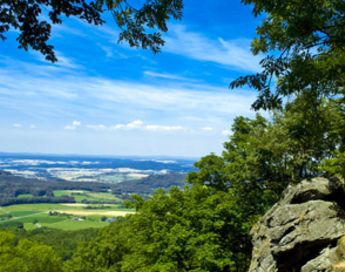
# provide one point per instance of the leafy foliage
(64, 243)
(305, 47)
(141, 25)
(195, 229)
(24, 255)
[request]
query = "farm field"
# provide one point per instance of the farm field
(86, 196)
(60, 216)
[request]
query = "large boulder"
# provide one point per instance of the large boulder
(301, 232)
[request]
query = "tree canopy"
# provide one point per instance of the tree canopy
(304, 44)
(24, 255)
(141, 25)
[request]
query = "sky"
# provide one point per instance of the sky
(105, 98)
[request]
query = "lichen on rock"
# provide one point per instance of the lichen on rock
(301, 232)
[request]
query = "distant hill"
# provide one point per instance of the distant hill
(149, 184)
(12, 186)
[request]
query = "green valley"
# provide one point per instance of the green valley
(60, 216)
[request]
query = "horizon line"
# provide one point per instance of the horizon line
(100, 155)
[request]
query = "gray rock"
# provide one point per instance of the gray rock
(323, 262)
(297, 233)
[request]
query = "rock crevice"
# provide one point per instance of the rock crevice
(300, 232)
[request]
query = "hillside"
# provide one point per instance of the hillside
(42, 191)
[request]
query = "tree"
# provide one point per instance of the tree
(211, 173)
(63, 242)
(141, 25)
(24, 255)
(304, 41)
(304, 46)
(195, 229)
(104, 252)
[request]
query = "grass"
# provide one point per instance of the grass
(25, 196)
(22, 213)
(66, 225)
(81, 196)
(68, 217)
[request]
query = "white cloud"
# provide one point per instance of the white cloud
(227, 132)
(119, 126)
(207, 129)
(138, 124)
(96, 127)
(59, 95)
(17, 125)
(135, 124)
(166, 76)
(131, 125)
(69, 127)
(60, 30)
(234, 54)
(75, 124)
(104, 31)
(106, 49)
(63, 61)
(66, 62)
(177, 109)
(163, 128)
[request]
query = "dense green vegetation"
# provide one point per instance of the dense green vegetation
(39, 250)
(25, 255)
(205, 225)
(304, 46)
(63, 242)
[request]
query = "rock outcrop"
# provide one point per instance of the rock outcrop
(302, 231)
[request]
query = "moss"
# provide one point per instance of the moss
(341, 248)
(340, 252)
(339, 267)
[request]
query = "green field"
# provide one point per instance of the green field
(73, 216)
(24, 196)
(81, 196)
(60, 216)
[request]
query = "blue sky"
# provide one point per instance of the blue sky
(106, 98)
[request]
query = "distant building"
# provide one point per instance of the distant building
(111, 220)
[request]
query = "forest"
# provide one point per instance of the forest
(205, 225)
